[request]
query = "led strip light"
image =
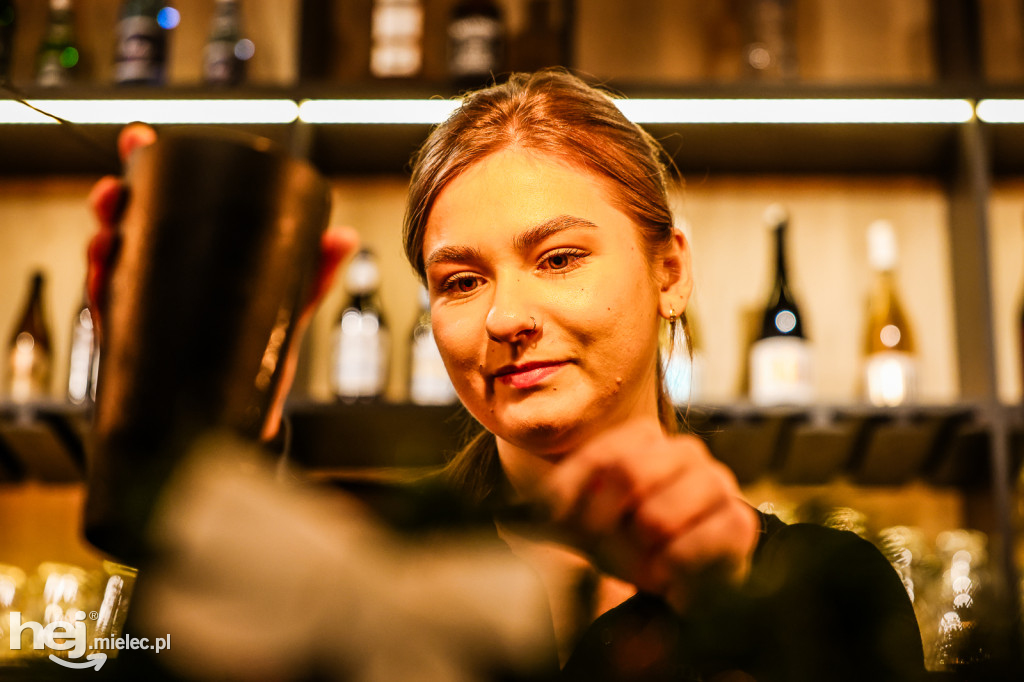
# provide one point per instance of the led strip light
(431, 111)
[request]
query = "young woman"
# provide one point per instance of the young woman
(538, 216)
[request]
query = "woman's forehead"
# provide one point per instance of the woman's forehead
(518, 188)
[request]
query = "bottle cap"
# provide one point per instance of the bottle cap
(776, 216)
(882, 252)
(362, 276)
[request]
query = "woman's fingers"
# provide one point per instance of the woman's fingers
(658, 511)
(133, 136)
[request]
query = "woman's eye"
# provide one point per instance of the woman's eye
(461, 284)
(561, 260)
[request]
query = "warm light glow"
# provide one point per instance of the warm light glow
(797, 110)
(1001, 110)
(181, 111)
(423, 111)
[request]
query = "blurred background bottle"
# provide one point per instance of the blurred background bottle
(83, 360)
(141, 52)
(780, 358)
(7, 23)
(29, 355)
(58, 53)
(476, 42)
(769, 52)
(429, 383)
(360, 341)
(396, 41)
(227, 51)
(538, 44)
(890, 366)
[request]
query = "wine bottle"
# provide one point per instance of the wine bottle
(29, 356)
(770, 53)
(890, 367)
(226, 52)
(396, 41)
(360, 342)
(476, 42)
(141, 54)
(7, 23)
(780, 358)
(83, 360)
(429, 383)
(537, 45)
(58, 54)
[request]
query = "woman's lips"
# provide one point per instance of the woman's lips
(529, 375)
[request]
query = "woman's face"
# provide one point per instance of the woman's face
(545, 307)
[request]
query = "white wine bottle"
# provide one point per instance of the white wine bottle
(30, 357)
(360, 342)
(396, 41)
(890, 366)
(429, 383)
(780, 358)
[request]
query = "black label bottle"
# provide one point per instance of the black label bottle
(226, 52)
(141, 53)
(429, 383)
(58, 54)
(7, 16)
(780, 358)
(396, 40)
(83, 360)
(29, 356)
(360, 341)
(890, 366)
(476, 42)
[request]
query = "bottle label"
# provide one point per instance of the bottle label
(780, 371)
(475, 46)
(397, 29)
(359, 367)
(890, 378)
(220, 66)
(430, 384)
(140, 51)
(30, 370)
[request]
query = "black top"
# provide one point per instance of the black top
(820, 604)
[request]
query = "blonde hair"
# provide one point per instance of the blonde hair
(555, 113)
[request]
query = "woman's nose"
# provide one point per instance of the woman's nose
(510, 320)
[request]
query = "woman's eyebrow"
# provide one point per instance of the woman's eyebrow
(452, 254)
(526, 240)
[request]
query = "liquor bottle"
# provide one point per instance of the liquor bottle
(538, 44)
(769, 53)
(476, 42)
(890, 367)
(780, 358)
(58, 53)
(429, 383)
(29, 354)
(83, 360)
(396, 41)
(141, 54)
(227, 51)
(7, 16)
(360, 342)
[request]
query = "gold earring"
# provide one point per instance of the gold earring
(671, 315)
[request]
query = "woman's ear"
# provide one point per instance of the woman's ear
(676, 276)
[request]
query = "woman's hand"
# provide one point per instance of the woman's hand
(656, 510)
